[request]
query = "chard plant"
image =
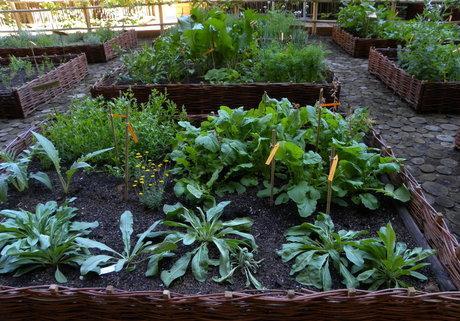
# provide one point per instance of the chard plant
(46, 237)
(389, 263)
(46, 148)
(114, 261)
(226, 153)
(202, 233)
(15, 172)
(317, 248)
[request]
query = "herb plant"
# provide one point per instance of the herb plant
(46, 148)
(388, 263)
(201, 233)
(317, 248)
(45, 238)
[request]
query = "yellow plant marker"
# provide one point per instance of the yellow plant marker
(335, 161)
(132, 133)
(272, 154)
(118, 116)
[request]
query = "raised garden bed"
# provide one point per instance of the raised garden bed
(202, 99)
(95, 53)
(423, 96)
(22, 99)
(139, 299)
(359, 47)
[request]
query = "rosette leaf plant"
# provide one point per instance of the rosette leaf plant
(317, 248)
(46, 148)
(47, 237)
(389, 263)
(201, 233)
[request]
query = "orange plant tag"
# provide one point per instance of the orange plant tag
(118, 116)
(335, 161)
(272, 154)
(132, 133)
(337, 104)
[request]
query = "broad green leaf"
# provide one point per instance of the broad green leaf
(369, 201)
(59, 276)
(126, 228)
(200, 263)
(177, 270)
(42, 178)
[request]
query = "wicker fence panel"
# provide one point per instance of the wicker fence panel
(359, 47)
(202, 99)
(26, 98)
(95, 53)
(60, 303)
(423, 96)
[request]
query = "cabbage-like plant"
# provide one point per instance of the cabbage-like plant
(15, 172)
(387, 262)
(317, 248)
(47, 148)
(47, 237)
(115, 261)
(201, 233)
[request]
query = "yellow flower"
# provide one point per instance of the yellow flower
(140, 194)
(143, 167)
(166, 174)
(150, 185)
(146, 152)
(162, 181)
(134, 185)
(147, 170)
(138, 165)
(166, 160)
(152, 176)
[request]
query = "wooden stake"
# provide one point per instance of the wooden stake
(115, 140)
(127, 139)
(330, 179)
(318, 109)
(272, 173)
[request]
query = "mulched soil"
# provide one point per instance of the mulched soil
(99, 198)
(20, 78)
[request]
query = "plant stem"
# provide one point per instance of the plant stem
(125, 196)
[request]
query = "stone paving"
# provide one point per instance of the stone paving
(425, 140)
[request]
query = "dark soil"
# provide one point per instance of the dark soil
(18, 79)
(99, 198)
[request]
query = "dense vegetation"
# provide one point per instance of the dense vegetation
(216, 47)
(25, 39)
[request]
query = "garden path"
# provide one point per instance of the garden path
(426, 141)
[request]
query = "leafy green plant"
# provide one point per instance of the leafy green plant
(15, 172)
(388, 262)
(225, 155)
(204, 232)
(246, 263)
(317, 248)
(288, 63)
(130, 256)
(366, 20)
(44, 238)
(47, 148)
(86, 127)
(222, 76)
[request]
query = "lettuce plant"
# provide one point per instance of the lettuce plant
(47, 148)
(388, 263)
(201, 234)
(317, 248)
(47, 237)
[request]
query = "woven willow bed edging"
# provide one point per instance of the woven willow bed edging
(359, 47)
(423, 96)
(62, 303)
(19, 102)
(202, 99)
(95, 53)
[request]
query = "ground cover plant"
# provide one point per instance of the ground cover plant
(25, 39)
(216, 47)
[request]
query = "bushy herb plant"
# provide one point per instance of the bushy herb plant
(226, 155)
(86, 127)
(47, 237)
